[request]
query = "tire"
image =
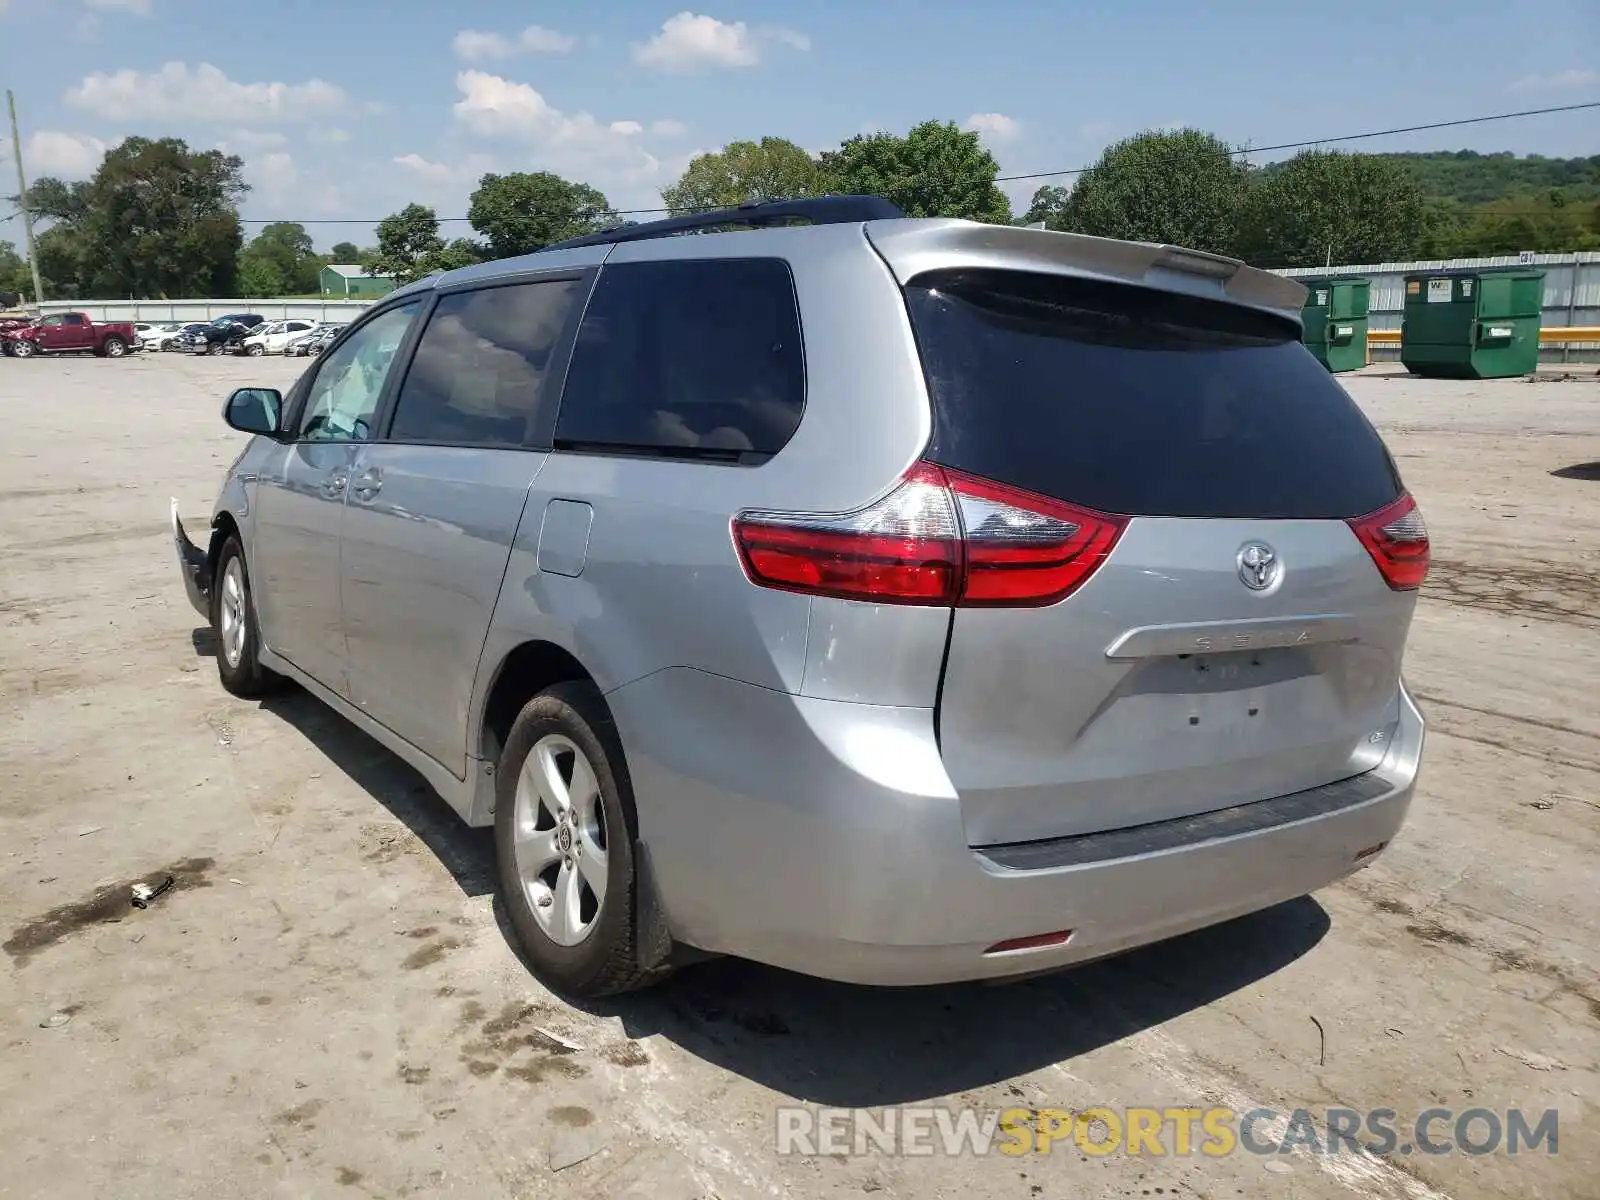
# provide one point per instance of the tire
(233, 616)
(216, 348)
(113, 347)
(593, 954)
(23, 349)
(256, 351)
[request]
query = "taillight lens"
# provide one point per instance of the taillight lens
(1027, 549)
(941, 537)
(1397, 538)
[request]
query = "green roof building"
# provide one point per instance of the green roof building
(350, 281)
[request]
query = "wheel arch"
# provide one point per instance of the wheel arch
(527, 669)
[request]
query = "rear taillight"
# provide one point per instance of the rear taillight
(1397, 538)
(940, 538)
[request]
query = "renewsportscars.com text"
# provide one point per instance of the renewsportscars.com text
(1161, 1132)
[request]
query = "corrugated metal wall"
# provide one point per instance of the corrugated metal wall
(160, 312)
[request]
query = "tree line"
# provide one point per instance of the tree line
(161, 219)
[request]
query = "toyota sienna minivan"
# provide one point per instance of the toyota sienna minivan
(895, 601)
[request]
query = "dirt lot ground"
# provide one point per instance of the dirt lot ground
(328, 1004)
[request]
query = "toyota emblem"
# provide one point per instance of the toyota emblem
(1259, 566)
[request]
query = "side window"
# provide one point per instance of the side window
(52, 322)
(481, 374)
(72, 319)
(343, 397)
(687, 359)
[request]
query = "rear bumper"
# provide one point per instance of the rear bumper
(825, 838)
(193, 565)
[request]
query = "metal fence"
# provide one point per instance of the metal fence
(162, 312)
(1571, 292)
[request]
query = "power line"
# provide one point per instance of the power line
(1350, 137)
(1328, 141)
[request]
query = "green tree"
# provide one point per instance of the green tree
(936, 170)
(344, 252)
(463, 252)
(523, 212)
(279, 261)
(14, 273)
(408, 244)
(157, 219)
(1551, 223)
(61, 264)
(1050, 206)
(1183, 188)
(1357, 207)
(742, 173)
(56, 200)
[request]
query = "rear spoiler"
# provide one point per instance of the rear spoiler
(912, 248)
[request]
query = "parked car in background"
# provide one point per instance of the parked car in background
(170, 336)
(141, 329)
(1015, 683)
(214, 336)
(157, 336)
(272, 337)
(65, 333)
(315, 342)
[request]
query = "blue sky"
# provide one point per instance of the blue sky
(347, 109)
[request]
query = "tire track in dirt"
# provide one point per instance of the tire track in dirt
(1533, 589)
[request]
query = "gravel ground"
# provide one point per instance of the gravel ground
(327, 1004)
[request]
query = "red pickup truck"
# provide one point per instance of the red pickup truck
(62, 332)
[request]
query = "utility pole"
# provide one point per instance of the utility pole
(22, 202)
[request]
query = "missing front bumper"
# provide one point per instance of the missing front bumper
(194, 564)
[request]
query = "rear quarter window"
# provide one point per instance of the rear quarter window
(1140, 402)
(692, 359)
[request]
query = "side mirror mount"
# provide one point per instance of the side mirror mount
(255, 410)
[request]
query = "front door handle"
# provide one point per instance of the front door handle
(333, 486)
(368, 484)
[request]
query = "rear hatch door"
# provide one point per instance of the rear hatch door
(1239, 642)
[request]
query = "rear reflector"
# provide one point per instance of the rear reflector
(1397, 539)
(941, 537)
(1039, 941)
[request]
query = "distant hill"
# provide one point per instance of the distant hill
(1472, 178)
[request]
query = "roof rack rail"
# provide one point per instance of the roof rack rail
(817, 210)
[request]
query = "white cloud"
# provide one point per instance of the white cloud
(472, 45)
(579, 146)
(141, 7)
(1576, 77)
(331, 137)
(691, 42)
(668, 128)
(995, 128)
(202, 93)
(64, 155)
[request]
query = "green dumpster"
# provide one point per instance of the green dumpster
(1472, 324)
(1334, 320)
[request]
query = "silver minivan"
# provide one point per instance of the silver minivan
(896, 601)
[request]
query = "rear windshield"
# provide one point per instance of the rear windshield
(1140, 402)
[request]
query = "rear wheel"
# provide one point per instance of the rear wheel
(113, 347)
(564, 844)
